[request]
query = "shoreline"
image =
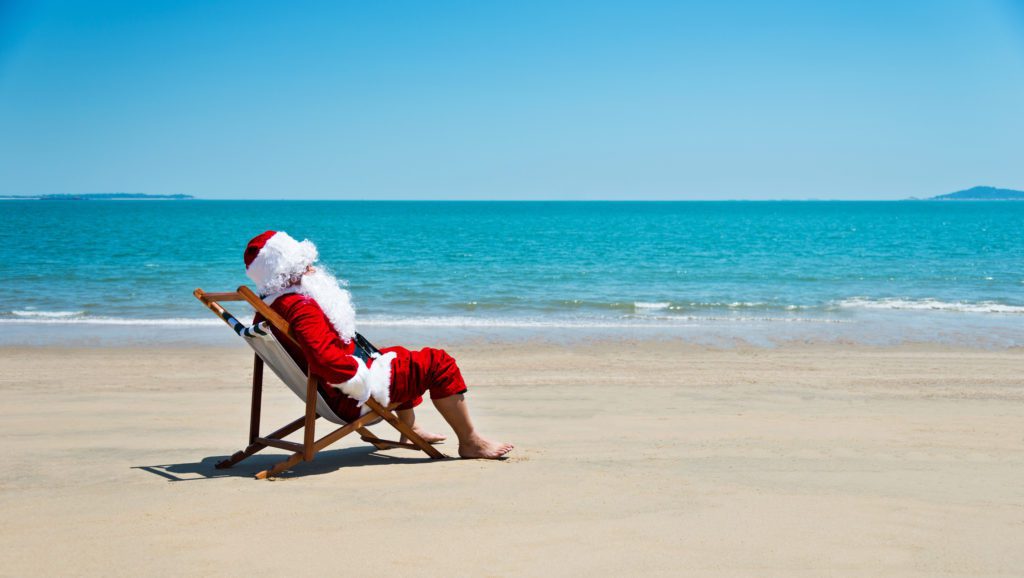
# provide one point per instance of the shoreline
(1000, 334)
(486, 345)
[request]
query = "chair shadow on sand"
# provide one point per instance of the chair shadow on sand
(326, 462)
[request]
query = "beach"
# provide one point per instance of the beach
(742, 283)
(635, 457)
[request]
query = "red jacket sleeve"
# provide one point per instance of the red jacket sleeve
(328, 356)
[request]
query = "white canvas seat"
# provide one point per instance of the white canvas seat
(273, 354)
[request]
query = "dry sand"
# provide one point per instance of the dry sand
(653, 458)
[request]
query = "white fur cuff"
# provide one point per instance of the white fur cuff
(373, 381)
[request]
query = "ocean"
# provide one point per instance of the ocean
(715, 272)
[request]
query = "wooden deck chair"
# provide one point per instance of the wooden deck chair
(268, 351)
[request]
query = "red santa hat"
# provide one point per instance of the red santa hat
(274, 260)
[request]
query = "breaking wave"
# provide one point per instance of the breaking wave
(47, 314)
(596, 323)
(86, 320)
(636, 314)
(646, 305)
(929, 305)
(443, 321)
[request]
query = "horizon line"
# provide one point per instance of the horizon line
(458, 200)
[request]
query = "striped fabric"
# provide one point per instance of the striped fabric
(260, 328)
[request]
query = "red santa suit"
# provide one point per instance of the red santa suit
(326, 348)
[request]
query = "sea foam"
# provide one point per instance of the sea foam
(47, 314)
(69, 320)
(929, 305)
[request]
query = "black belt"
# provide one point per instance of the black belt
(364, 349)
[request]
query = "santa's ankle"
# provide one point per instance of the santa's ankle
(472, 439)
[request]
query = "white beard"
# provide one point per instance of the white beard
(335, 301)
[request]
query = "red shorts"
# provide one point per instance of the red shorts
(413, 373)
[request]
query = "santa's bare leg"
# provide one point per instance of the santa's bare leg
(455, 411)
(408, 417)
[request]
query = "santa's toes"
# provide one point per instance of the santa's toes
(485, 451)
(432, 438)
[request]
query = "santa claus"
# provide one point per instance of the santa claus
(322, 321)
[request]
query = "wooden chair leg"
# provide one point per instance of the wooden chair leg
(367, 436)
(317, 446)
(257, 398)
(309, 435)
(257, 446)
(281, 466)
(387, 444)
(414, 437)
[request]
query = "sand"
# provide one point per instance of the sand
(633, 458)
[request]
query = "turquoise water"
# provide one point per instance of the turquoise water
(908, 269)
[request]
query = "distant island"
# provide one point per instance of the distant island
(982, 194)
(98, 197)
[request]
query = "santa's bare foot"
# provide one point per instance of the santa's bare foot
(478, 447)
(429, 437)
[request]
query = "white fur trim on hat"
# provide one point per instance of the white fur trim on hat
(373, 381)
(280, 261)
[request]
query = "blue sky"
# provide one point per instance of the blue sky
(512, 99)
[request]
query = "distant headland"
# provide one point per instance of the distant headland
(982, 194)
(98, 197)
